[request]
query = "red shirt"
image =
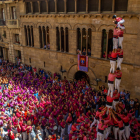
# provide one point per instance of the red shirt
(118, 19)
(110, 99)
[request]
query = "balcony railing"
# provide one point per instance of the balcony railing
(12, 23)
(2, 22)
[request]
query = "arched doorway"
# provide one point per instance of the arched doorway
(81, 75)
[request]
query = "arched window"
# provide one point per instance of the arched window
(83, 40)
(104, 41)
(106, 5)
(32, 34)
(89, 42)
(121, 5)
(110, 43)
(26, 38)
(62, 39)
(81, 5)
(70, 5)
(60, 5)
(78, 39)
(29, 35)
(43, 6)
(48, 36)
(35, 7)
(44, 35)
(67, 40)
(40, 37)
(51, 5)
(57, 39)
(93, 5)
(28, 7)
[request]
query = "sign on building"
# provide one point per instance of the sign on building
(83, 63)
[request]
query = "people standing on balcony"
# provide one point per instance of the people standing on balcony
(84, 52)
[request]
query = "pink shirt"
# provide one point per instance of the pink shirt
(101, 127)
(115, 33)
(111, 77)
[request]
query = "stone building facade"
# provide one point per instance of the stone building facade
(29, 26)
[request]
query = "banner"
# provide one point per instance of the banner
(83, 63)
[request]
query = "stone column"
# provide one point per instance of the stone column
(38, 6)
(99, 8)
(107, 33)
(75, 6)
(113, 6)
(32, 7)
(55, 6)
(81, 39)
(47, 7)
(64, 40)
(72, 41)
(60, 37)
(86, 40)
(65, 4)
(86, 6)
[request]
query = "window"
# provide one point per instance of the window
(40, 37)
(104, 41)
(26, 38)
(70, 5)
(57, 39)
(13, 10)
(121, 5)
(32, 34)
(93, 5)
(28, 7)
(29, 60)
(81, 5)
(17, 38)
(3, 14)
(43, 7)
(35, 7)
(4, 34)
(106, 5)
(60, 5)
(67, 39)
(84, 41)
(51, 5)
(44, 64)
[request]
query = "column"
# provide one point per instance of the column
(28, 35)
(113, 6)
(32, 7)
(86, 6)
(81, 39)
(107, 44)
(64, 40)
(65, 4)
(86, 40)
(55, 6)
(42, 37)
(60, 37)
(31, 36)
(75, 6)
(38, 6)
(47, 7)
(99, 8)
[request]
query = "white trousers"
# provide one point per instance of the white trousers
(119, 62)
(100, 136)
(114, 104)
(62, 132)
(110, 89)
(115, 43)
(108, 131)
(120, 42)
(113, 65)
(95, 121)
(117, 84)
(69, 128)
(127, 131)
(115, 130)
(24, 135)
(121, 134)
(121, 22)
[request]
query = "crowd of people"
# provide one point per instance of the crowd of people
(35, 106)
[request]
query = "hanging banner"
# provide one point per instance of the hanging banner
(83, 63)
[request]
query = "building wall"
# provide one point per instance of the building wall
(53, 59)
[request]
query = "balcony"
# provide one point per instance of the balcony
(13, 23)
(2, 22)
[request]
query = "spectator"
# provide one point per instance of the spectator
(131, 103)
(89, 52)
(84, 52)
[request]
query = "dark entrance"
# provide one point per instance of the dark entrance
(82, 75)
(1, 52)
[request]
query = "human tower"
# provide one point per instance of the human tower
(113, 116)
